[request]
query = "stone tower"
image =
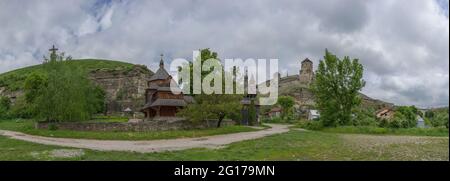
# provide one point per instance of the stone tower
(306, 75)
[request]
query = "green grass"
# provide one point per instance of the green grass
(107, 119)
(389, 131)
(14, 80)
(27, 126)
(293, 145)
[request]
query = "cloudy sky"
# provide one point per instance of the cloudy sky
(403, 44)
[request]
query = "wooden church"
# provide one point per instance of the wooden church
(160, 100)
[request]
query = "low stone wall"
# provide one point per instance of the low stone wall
(159, 125)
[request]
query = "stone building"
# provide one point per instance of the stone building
(160, 101)
(306, 75)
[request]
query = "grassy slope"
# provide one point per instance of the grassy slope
(14, 79)
(27, 126)
(294, 145)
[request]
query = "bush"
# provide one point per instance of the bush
(52, 127)
(364, 117)
(5, 104)
(286, 103)
(440, 119)
(429, 114)
(21, 109)
(396, 122)
(405, 118)
(311, 125)
(273, 120)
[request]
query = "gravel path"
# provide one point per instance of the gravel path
(216, 141)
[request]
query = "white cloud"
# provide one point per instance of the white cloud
(403, 44)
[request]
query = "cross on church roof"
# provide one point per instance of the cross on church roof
(161, 62)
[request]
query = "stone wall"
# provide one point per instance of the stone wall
(160, 125)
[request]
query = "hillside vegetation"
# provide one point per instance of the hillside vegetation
(14, 80)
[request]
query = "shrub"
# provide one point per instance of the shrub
(5, 104)
(396, 122)
(429, 114)
(364, 117)
(440, 119)
(286, 102)
(314, 125)
(409, 116)
(21, 109)
(403, 118)
(52, 127)
(311, 125)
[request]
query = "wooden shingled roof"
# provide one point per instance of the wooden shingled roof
(166, 102)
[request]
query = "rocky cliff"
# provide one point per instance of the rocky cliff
(123, 83)
(124, 88)
(291, 86)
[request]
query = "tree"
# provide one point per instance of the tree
(205, 54)
(211, 106)
(440, 118)
(34, 86)
(336, 88)
(409, 116)
(286, 103)
(429, 114)
(64, 93)
(5, 105)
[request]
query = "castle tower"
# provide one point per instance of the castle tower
(306, 75)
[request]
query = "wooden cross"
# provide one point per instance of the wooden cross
(53, 49)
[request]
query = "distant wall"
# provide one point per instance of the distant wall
(160, 125)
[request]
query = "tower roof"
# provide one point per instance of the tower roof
(161, 73)
(306, 60)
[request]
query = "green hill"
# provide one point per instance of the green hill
(14, 80)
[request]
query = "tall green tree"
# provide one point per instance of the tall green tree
(336, 88)
(65, 94)
(286, 103)
(211, 106)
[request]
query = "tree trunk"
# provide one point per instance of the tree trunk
(221, 116)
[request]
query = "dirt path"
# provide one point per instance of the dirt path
(216, 141)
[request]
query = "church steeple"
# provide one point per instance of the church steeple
(161, 62)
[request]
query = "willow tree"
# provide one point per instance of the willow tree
(63, 93)
(215, 105)
(336, 88)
